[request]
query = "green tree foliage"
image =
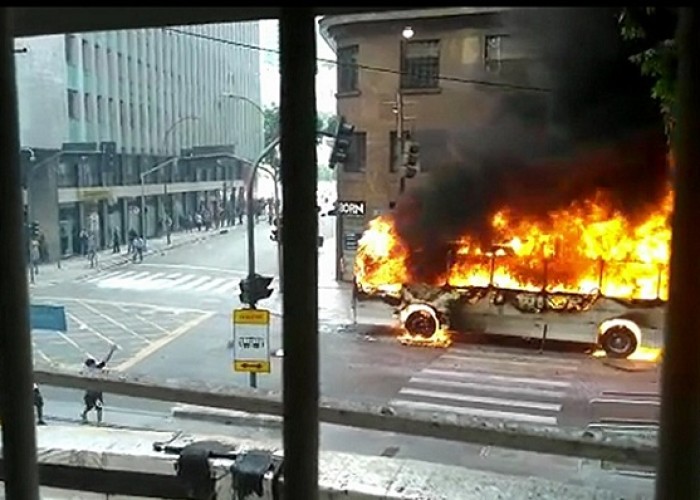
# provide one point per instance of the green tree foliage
(325, 122)
(650, 31)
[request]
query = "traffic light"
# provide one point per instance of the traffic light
(254, 289)
(341, 144)
(34, 229)
(411, 158)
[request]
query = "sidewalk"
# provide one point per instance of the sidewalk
(78, 266)
(334, 297)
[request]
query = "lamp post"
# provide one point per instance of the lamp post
(157, 167)
(274, 173)
(406, 35)
(34, 168)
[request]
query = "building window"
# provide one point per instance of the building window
(87, 63)
(394, 151)
(357, 153)
(98, 57)
(89, 111)
(73, 105)
(347, 69)
(420, 64)
(112, 114)
(72, 50)
(131, 115)
(493, 52)
(100, 109)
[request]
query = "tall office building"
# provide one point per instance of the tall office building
(147, 95)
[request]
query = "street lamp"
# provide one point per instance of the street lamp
(275, 178)
(406, 35)
(143, 175)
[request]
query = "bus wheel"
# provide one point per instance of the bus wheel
(422, 323)
(618, 342)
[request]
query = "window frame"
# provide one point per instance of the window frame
(356, 162)
(348, 74)
(412, 67)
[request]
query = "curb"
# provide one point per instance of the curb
(227, 417)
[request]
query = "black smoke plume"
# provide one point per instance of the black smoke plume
(603, 133)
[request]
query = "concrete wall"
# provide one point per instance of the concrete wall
(43, 208)
(41, 84)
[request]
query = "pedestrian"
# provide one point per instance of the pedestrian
(35, 256)
(168, 223)
(115, 241)
(198, 221)
(83, 236)
(131, 237)
(39, 405)
(138, 248)
(92, 250)
(94, 399)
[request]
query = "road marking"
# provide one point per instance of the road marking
(146, 320)
(115, 322)
(498, 378)
(41, 353)
(196, 268)
(72, 342)
(519, 354)
(477, 412)
(183, 279)
(468, 398)
(191, 285)
(544, 364)
(226, 287)
(82, 325)
(162, 342)
(101, 277)
(531, 391)
(124, 304)
(212, 284)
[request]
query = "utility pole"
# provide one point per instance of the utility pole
(400, 134)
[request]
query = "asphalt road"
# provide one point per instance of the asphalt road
(171, 317)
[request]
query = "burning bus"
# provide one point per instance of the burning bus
(583, 273)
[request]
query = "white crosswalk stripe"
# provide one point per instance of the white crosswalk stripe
(487, 383)
(149, 281)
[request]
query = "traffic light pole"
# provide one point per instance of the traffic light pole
(250, 203)
(250, 209)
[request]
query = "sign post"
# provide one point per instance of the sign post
(251, 342)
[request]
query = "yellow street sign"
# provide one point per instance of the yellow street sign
(251, 366)
(251, 340)
(251, 317)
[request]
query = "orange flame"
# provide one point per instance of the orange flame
(583, 248)
(380, 264)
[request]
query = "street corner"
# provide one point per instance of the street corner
(93, 326)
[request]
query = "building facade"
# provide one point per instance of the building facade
(450, 68)
(119, 104)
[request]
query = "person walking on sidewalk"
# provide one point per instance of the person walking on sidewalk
(115, 241)
(34, 256)
(138, 245)
(92, 250)
(94, 399)
(39, 405)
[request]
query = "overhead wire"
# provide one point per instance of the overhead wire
(365, 67)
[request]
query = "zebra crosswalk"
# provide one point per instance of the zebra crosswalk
(176, 281)
(486, 383)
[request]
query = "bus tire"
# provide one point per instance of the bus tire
(618, 342)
